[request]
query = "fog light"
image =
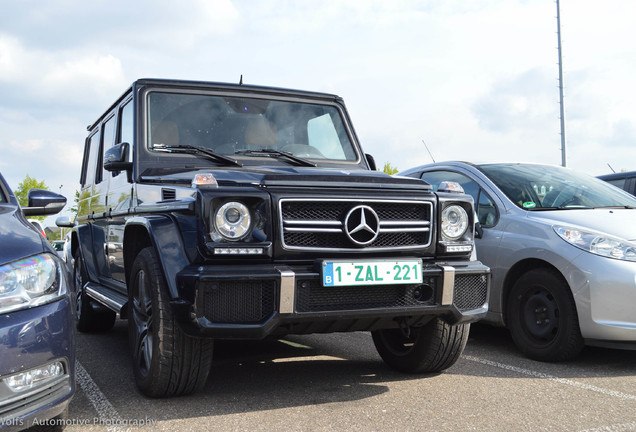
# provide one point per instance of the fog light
(34, 377)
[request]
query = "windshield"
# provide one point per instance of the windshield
(232, 125)
(537, 187)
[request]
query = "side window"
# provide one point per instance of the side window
(126, 133)
(126, 128)
(108, 138)
(434, 178)
(484, 206)
(90, 161)
(3, 199)
(619, 183)
(486, 210)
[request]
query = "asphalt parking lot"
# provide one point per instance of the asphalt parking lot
(338, 382)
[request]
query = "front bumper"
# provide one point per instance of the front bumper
(31, 339)
(252, 302)
(604, 291)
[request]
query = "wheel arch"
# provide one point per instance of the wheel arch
(163, 234)
(81, 241)
(517, 271)
(136, 238)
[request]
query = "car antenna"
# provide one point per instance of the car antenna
(241, 80)
(429, 152)
(611, 168)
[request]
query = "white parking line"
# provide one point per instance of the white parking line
(535, 374)
(625, 427)
(108, 415)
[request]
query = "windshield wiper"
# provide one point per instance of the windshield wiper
(616, 207)
(560, 208)
(278, 153)
(197, 151)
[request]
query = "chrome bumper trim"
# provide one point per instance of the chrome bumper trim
(287, 290)
(448, 286)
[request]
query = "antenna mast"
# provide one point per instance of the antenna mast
(562, 110)
(429, 152)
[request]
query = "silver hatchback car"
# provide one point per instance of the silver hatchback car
(561, 246)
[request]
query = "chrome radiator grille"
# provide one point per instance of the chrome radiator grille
(350, 224)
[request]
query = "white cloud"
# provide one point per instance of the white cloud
(34, 76)
(96, 75)
(28, 146)
(10, 60)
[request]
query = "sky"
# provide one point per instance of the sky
(475, 80)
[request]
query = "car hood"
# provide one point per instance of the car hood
(287, 176)
(616, 222)
(17, 239)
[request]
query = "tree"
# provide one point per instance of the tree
(22, 192)
(76, 202)
(390, 170)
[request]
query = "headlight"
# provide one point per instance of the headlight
(233, 220)
(29, 282)
(598, 243)
(454, 222)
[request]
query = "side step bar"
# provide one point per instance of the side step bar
(109, 298)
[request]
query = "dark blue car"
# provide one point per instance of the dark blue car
(37, 351)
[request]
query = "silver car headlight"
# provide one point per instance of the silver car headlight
(233, 220)
(30, 282)
(598, 243)
(454, 222)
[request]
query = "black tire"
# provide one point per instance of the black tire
(89, 315)
(166, 361)
(432, 348)
(541, 316)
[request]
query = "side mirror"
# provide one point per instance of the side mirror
(64, 222)
(371, 161)
(116, 158)
(43, 202)
(479, 231)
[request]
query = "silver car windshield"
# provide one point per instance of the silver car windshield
(250, 128)
(544, 187)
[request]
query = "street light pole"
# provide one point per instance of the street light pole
(562, 109)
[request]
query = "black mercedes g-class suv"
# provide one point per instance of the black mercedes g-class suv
(218, 211)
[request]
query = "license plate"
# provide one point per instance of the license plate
(351, 273)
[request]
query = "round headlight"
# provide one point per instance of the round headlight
(233, 220)
(454, 222)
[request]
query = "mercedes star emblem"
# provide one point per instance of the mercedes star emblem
(362, 225)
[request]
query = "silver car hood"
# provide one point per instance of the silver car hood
(616, 222)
